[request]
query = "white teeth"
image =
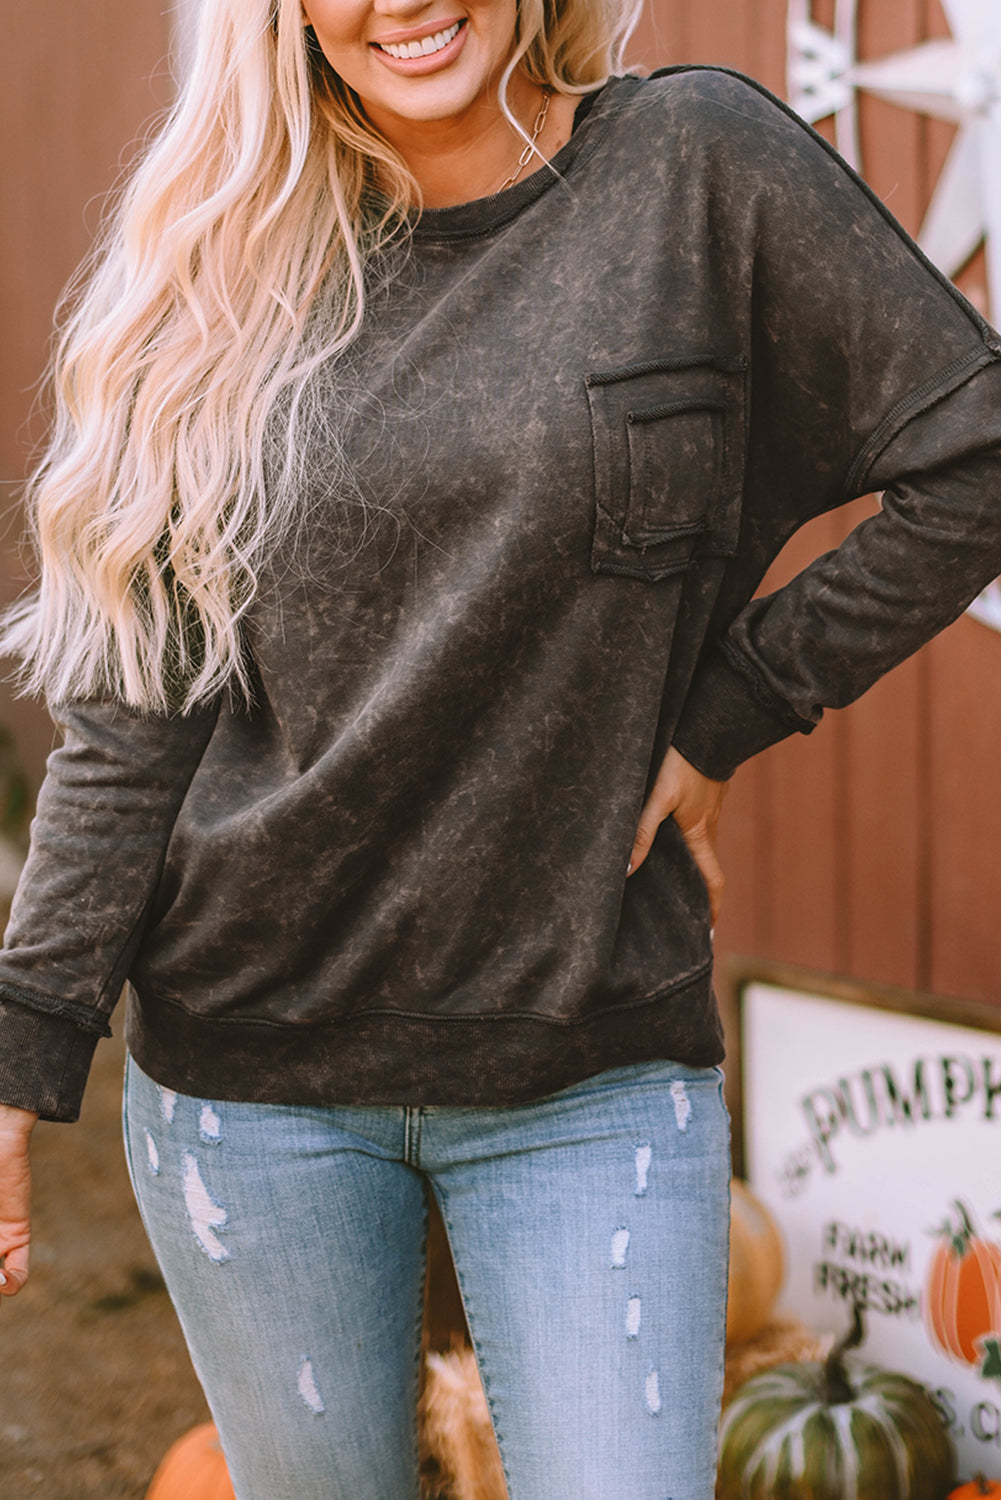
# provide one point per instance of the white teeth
(424, 48)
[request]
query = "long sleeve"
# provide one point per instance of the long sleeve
(105, 813)
(853, 614)
(869, 373)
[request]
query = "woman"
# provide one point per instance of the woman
(434, 411)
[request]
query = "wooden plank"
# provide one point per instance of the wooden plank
(677, 31)
(936, 22)
(742, 35)
(882, 854)
(965, 732)
(718, 34)
(796, 917)
(766, 46)
(86, 79)
(660, 38)
(892, 138)
(802, 926)
(938, 134)
(882, 840)
(742, 853)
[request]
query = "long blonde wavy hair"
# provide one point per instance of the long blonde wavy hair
(190, 331)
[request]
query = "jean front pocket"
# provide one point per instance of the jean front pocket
(668, 461)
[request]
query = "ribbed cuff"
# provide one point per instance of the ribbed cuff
(44, 1061)
(728, 717)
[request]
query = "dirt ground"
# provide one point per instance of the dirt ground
(95, 1381)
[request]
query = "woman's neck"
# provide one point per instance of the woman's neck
(475, 154)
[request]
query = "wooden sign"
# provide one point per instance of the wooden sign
(874, 1135)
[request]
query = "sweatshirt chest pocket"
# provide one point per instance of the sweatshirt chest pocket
(668, 461)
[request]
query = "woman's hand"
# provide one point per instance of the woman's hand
(694, 802)
(16, 1126)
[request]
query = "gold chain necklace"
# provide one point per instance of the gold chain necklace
(529, 151)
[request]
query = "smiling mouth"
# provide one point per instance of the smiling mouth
(427, 47)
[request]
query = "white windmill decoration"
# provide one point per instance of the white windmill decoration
(957, 79)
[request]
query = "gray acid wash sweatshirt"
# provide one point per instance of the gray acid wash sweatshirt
(584, 415)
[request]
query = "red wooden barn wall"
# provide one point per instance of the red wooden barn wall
(82, 79)
(869, 849)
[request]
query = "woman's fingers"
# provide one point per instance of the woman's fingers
(701, 847)
(694, 802)
(15, 1272)
(15, 1198)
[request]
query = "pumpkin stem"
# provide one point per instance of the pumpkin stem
(963, 1235)
(960, 1233)
(835, 1387)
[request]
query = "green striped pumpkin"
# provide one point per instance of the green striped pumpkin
(827, 1432)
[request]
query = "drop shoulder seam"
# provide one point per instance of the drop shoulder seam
(986, 332)
(936, 388)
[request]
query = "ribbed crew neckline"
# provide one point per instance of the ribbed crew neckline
(481, 215)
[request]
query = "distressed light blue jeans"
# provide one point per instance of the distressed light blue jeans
(589, 1233)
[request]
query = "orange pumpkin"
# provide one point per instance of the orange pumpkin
(976, 1489)
(193, 1468)
(963, 1290)
(757, 1264)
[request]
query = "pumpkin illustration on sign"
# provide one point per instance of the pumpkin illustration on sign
(963, 1294)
